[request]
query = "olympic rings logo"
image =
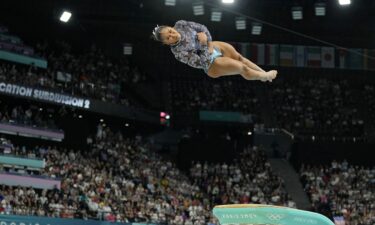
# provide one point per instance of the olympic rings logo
(275, 216)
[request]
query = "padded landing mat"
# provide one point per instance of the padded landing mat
(253, 214)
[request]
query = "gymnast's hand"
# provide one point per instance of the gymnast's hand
(202, 37)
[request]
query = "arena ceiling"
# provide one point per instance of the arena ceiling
(352, 26)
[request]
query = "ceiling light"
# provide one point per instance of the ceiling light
(65, 16)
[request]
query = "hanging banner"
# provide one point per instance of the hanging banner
(38, 94)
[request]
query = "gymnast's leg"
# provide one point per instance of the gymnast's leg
(229, 51)
(225, 66)
(249, 63)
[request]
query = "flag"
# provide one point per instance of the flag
(286, 55)
(343, 54)
(299, 56)
(328, 57)
(355, 58)
(313, 56)
(272, 55)
(244, 49)
(257, 53)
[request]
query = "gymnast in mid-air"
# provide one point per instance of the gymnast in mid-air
(191, 43)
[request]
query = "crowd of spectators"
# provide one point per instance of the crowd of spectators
(91, 74)
(30, 115)
(249, 179)
(318, 106)
(116, 179)
(119, 179)
(342, 189)
(37, 152)
(192, 95)
(369, 97)
(305, 106)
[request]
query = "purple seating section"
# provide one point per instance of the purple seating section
(16, 48)
(13, 43)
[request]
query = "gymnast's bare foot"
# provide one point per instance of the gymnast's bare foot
(269, 76)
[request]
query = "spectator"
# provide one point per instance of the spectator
(91, 74)
(342, 189)
(248, 180)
